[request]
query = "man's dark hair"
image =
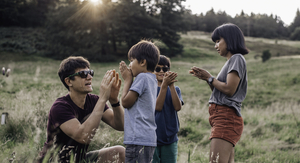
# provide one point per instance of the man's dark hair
(145, 50)
(164, 60)
(233, 37)
(68, 67)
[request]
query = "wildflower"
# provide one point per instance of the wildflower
(3, 70)
(7, 72)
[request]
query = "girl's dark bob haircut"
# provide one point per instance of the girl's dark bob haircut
(233, 37)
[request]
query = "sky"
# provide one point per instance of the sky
(285, 9)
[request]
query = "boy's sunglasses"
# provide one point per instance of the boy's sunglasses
(83, 74)
(165, 69)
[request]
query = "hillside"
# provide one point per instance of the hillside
(270, 111)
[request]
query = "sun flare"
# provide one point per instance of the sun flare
(92, 1)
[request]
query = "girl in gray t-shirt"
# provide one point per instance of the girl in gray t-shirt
(229, 90)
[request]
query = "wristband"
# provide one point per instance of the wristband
(116, 104)
(210, 80)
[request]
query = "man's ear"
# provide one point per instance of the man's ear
(68, 81)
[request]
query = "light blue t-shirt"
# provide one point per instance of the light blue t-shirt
(139, 120)
(236, 63)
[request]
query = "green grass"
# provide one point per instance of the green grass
(270, 111)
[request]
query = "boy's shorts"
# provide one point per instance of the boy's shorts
(225, 123)
(166, 153)
(139, 154)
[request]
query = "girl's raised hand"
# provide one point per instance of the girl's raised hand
(200, 73)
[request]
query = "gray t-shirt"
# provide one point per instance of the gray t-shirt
(139, 121)
(236, 63)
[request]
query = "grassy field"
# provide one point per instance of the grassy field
(270, 111)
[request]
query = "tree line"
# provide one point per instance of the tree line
(105, 31)
(254, 25)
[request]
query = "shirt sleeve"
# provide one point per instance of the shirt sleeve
(238, 64)
(179, 94)
(60, 113)
(138, 84)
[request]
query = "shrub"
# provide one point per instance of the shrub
(266, 55)
(296, 34)
(14, 131)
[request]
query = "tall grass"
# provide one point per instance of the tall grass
(271, 109)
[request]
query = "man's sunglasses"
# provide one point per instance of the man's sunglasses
(165, 69)
(83, 74)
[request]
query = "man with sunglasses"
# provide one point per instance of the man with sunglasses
(74, 118)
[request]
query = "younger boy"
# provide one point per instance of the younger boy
(138, 99)
(168, 103)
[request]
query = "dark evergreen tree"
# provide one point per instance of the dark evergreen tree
(296, 22)
(24, 13)
(171, 17)
(223, 17)
(132, 23)
(210, 20)
(296, 34)
(243, 21)
(282, 31)
(260, 24)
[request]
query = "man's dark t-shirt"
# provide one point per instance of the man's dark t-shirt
(62, 110)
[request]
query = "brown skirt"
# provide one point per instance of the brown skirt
(225, 123)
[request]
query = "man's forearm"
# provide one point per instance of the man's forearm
(88, 129)
(119, 118)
